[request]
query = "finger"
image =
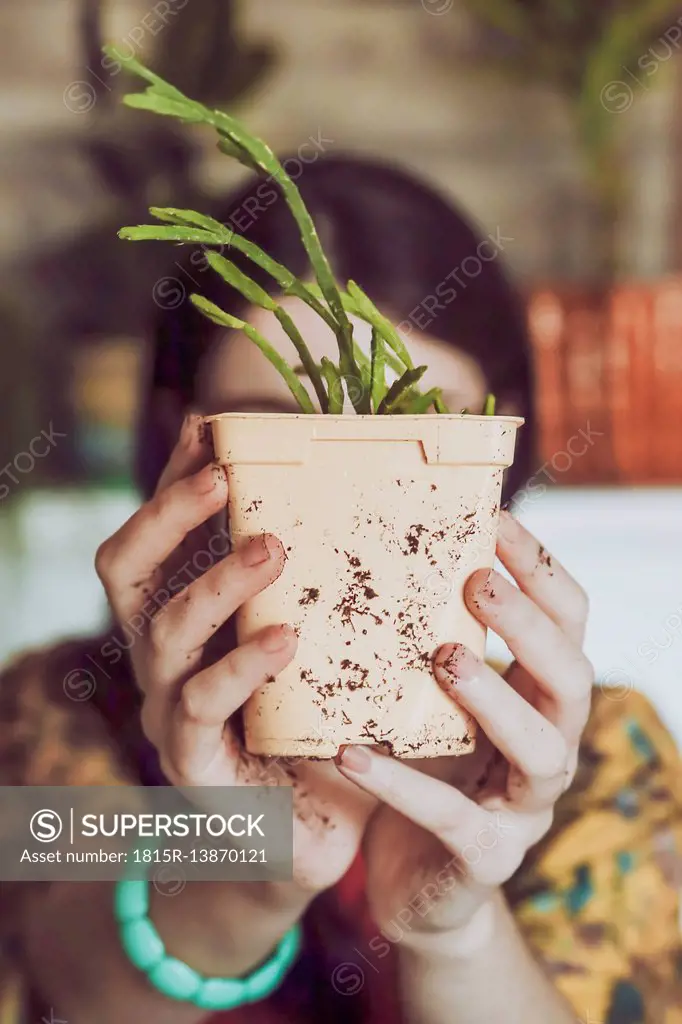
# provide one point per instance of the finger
(555, 662)
(542, 577)
(531, 744)
(128, 563)
(463, 827)
(191, 618)
(191, 452)
(197, 751)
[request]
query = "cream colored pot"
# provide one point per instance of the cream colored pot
(383, 518)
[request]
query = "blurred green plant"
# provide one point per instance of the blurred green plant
(198, 44)
(581, 48)
(205, 54)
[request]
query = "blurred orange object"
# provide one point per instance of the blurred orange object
(609, 370)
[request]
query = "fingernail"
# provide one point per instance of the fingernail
(508, 527)
(259, 550)
(454, 662)
(489, 585)
(481, 585)
(276, 638)
(355, 759)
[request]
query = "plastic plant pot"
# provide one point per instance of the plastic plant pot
(383, 518)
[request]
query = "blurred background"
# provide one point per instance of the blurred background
(556, 124)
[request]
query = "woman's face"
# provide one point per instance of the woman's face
(237, 377)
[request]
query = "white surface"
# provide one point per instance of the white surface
(625, 547)
(48, 585)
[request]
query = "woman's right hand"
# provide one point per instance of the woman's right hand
(188, 704)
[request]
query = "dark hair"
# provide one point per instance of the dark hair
(398, 238)
(403, 243)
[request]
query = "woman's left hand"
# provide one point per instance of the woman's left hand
(436, 856)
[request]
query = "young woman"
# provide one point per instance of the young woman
(531, 881)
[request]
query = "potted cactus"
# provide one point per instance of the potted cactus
(383, 513)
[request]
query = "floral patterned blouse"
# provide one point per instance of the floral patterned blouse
(598, 899)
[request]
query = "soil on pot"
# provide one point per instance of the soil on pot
(359, 601)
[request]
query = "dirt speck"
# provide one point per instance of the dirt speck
(356, 675)
(357, 593)
(412, 538)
